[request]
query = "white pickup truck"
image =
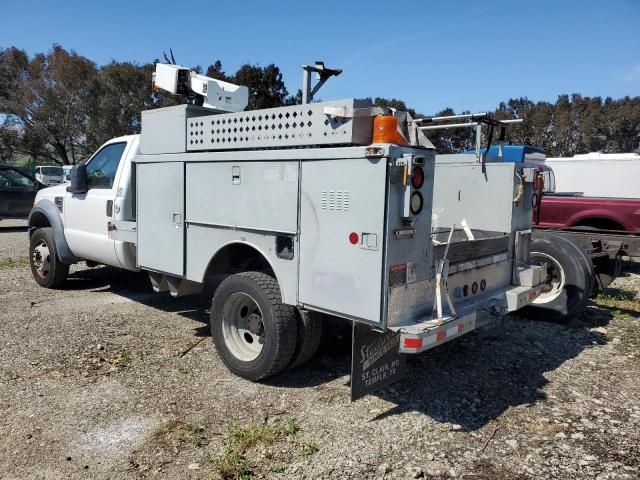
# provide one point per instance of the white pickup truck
(323, 208)
(77, 226)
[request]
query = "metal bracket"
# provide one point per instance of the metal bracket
(442, 275)
(323, 75)
(346, 112)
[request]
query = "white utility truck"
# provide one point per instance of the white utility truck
(49, 174)
(597, 174)
(307, 210)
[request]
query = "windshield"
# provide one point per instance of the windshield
(11, 178)
(51, 171)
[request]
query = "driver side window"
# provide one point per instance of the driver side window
(102, 168)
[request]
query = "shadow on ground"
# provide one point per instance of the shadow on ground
(136, 286)
(473, 380)
(468, 382)
(12, 228)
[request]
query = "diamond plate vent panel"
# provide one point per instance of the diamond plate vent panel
(294, 126)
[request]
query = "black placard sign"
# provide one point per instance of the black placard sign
(375, 360)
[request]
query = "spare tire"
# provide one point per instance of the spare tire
(570, 277)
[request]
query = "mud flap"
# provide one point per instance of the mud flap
(375, 360)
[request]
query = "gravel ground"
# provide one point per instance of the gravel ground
(106, 379)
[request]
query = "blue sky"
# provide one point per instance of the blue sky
(432, 54)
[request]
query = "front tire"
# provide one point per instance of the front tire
(570, 277)
(253, 331)
(46, 267)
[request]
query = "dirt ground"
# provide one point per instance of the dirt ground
(105, 379)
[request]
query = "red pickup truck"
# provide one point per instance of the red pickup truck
(606, 229)
(576, 211)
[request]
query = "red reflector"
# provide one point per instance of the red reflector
(440, 336)
(532, 295)
(353, 238)
(417, 177)
(412, 342)
(460, 328)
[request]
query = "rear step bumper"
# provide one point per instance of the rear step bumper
(431, 332)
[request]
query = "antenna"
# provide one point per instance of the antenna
(171, 61)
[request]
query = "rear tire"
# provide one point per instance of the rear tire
(46, 267)
(309, 337)
(570, 277)
(253, 331)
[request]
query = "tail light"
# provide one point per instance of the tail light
(417, 177)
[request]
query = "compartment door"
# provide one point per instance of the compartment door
(339, 273)
(160, 203)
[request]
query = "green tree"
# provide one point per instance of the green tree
(266, 87)
(215, 71)
(122, 92)
(265, 84)
(44, 102)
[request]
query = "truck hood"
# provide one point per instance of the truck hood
(51, 192)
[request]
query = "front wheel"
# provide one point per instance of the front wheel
(254, 333)
(46, 267)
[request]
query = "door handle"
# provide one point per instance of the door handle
(109, 208)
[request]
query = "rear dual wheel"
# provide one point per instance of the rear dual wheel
(255, 334)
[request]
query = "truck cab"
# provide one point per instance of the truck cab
(86, 217)
(49, 174)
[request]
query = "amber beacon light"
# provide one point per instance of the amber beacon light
(385, 130)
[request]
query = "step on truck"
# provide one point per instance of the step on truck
(305, 211)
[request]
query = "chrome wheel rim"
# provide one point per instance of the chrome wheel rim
(40, 258)
(555, 278)
(242, 326)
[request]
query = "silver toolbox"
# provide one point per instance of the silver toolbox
(164, 129)
(294, 126)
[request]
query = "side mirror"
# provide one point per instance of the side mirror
(78, 179)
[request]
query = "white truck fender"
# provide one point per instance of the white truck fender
(50, 212)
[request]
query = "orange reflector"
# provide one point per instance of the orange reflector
(412, 342)
(385, 130)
